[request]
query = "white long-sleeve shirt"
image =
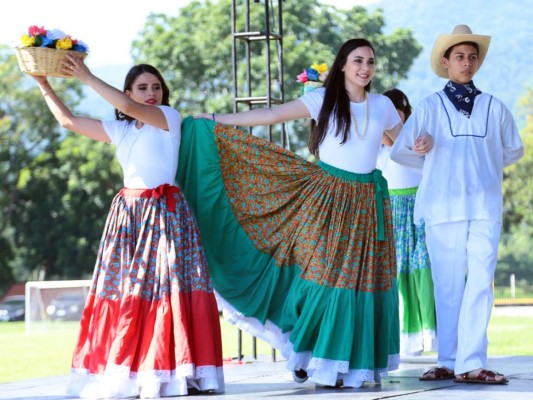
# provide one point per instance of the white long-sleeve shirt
(462, 174)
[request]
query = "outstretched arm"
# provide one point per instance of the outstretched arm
(145, 113)
(387, 141)
(262, 116)
(89, 127)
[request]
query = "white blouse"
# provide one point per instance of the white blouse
(356, 155)
(149, 155)
(398, 176)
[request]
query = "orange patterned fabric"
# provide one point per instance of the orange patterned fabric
(302, 215)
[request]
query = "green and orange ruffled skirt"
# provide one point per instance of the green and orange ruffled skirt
(301, 255)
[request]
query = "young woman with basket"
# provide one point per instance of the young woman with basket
(150, 327)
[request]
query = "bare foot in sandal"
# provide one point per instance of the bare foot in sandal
(437, 373)
(481, 376)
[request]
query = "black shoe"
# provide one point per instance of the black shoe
(299, 376)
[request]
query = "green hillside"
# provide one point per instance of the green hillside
(505, 72)
(507, 67)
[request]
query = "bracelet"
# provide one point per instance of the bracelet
(213, 117)
(48, 91)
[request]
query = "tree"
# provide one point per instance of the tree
(26, 130)
(517, 231)
(56, 185)
(64, 198)
(194, 50)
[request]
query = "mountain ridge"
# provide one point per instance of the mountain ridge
(504, 73)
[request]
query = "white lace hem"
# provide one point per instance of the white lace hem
(117, 382)
(414, 344)
(321, 371)
(269, 332)
(326, 372)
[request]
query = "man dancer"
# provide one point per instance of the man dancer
(461, 138)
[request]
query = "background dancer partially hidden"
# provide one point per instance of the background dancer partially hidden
(415, 284)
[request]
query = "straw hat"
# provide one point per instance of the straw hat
(461, 33)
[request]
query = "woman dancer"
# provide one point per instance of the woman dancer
(302, 254)
(150, 327)
(417, 304)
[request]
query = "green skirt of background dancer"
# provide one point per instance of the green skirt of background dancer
(415, 284)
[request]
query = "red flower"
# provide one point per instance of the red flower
(35, 30)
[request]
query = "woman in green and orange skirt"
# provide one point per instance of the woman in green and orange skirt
(302, 254)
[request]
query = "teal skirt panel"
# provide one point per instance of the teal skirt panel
(301, 297)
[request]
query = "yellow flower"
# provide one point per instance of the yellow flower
(27, 40)
(64, 44)
(321, 68)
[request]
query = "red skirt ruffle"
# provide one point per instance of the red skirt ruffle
(151, 326)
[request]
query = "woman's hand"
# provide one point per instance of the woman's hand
(41, 80)
(44, 86)
(75, 67)
(423, 144)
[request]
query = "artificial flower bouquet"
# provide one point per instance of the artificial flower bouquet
(43, 50)
(313, 77)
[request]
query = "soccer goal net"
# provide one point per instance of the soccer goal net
(48, 302)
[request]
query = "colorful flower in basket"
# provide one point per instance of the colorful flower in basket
(316, 73)
(37, 36)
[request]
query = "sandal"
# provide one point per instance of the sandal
(483, 376)
(437, 374)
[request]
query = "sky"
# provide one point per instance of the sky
(109, 34)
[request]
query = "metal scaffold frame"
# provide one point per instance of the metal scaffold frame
(247, 37)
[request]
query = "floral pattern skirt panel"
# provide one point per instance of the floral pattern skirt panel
(301, 254)
(150, 327)
(417, 303)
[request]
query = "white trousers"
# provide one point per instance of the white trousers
(463, 259)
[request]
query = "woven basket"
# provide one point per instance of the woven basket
(43, 60)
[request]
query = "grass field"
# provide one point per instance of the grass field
(48, 352)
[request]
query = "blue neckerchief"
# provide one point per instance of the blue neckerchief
(462, 96)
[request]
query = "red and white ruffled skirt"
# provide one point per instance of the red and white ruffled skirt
(151, 326)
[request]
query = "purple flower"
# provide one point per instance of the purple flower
(55, 34)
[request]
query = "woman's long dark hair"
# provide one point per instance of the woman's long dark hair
(336, 100)
(400, 101)
(132, 75)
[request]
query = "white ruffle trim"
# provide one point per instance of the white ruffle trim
(118, 383)
(414, 344)
(326, 372)
(321, 371)
(268, 332)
